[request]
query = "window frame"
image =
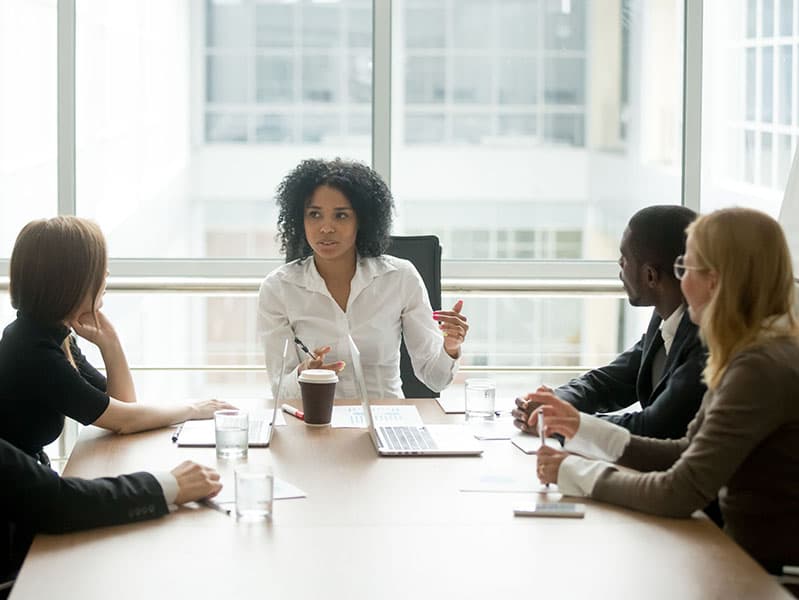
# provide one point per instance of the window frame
(460, 275)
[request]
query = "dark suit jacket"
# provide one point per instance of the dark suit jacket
(35, 498)
(668, 406)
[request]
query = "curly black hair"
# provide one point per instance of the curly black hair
(362, 186)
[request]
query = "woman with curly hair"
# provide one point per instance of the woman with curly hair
(737, 278)
(336, 217)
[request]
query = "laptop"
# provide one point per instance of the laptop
(202, 434)
(413, 440)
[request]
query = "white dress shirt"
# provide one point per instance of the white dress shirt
(169, 486)
(603, 442)
(387, 299)
(668, 327)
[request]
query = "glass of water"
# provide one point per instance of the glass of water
(254, 490)
(480, 395)
(232, 429)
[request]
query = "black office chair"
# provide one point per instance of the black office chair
(424, 251)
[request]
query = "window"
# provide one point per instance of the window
(750, 121)
(496, 129)
(28, 135)
(190, 115)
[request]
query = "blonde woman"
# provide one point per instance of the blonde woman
(58, 271)
(743, 445)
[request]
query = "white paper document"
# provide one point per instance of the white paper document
(529, 444)
(452, 405)
(507, 482)
(282, 490)
(496, 429)
(383, 416)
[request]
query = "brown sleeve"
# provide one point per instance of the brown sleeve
(651, 454)
(745, 409)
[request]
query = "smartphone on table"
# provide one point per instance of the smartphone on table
(567, 510)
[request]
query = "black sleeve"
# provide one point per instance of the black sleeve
(85, 368)
(675, 406)
(36, 498)
(608, 388)
(62, 388)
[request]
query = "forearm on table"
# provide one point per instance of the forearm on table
(119, 382)
(124, 418)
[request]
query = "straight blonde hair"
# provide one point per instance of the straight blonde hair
(55, 264)
(748, 252)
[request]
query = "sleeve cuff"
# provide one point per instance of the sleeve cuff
(169, 486)
(577, 476)
(598, 438)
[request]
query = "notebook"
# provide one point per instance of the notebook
(262, 423)
(419, 440)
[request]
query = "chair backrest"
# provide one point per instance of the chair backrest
(424, 251)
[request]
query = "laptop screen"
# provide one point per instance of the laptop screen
(360, 386)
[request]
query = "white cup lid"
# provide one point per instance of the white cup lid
(318, 376)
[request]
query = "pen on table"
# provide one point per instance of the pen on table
(298, 341)
(295, 412)
(176, 433)
(541, 431)
(208, 503)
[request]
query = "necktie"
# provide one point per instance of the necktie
(659, 359)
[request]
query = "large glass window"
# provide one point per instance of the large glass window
(28, 113)
(750, 102)
(536, 116)
(189, 113)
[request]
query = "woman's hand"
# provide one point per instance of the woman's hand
(454, 327)
(319, 361)
(524, 408)
(96, 328)
(205, 409)
(195, 482)
(549, 464)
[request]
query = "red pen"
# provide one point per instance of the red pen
(294, 412)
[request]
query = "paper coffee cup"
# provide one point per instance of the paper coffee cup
(318, 387)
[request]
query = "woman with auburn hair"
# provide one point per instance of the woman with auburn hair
(58, 271)
(744, 442)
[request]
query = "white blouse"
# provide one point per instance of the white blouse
(387, 298)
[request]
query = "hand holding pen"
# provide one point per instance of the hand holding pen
(542, 432)
(315, 359)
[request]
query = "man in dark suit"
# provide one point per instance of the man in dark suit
(36, 499)
(663, 370)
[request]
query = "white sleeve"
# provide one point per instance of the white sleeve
(431, 363)
(169, 486)
(598, 438)
(577, 476)
(272, 329)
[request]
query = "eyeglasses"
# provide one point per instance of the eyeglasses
(680, 267)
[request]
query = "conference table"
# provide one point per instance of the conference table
(374, 527)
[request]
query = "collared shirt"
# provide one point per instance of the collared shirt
(668, 327)
(387, 300)
(39, 386)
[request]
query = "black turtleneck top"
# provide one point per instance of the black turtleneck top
(39, 386)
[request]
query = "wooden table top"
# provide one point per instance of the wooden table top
(375, 527)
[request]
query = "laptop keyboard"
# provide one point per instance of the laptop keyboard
(408, 438)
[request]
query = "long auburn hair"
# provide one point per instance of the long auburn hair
(747, 251)
(55, 264)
